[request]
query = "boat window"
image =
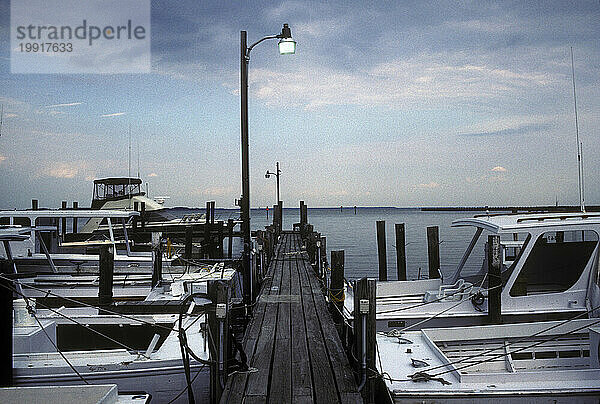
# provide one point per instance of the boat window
(556, 262)
(17, 221)
(508, 265)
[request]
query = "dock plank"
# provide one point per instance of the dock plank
(291, 339)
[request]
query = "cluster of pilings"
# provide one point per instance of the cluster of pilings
(433, 251)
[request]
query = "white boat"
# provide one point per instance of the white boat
(142, 351)
(549, 271)
(82, 394)
(46, 246)
(544, 362)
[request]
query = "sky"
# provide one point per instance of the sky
(385, 103)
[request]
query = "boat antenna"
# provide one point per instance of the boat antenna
(579, 168)
(582, 176)
(1, 117)
(129, 169)
(138, 150)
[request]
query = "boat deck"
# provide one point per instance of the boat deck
(291, 340)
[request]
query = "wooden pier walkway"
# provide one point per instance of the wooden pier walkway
(292, 341)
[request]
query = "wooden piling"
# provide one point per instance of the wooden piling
(207, 242)
(400, 251)
(303, 214)
(365, 334)
(189, 236)
(276, 217)
(218, 323)
(75, 207)
(433, 251)
(6, 331)
(106, 271)
(382, 250)
(230, 225)
(336, 289)
(219, 245)
(136, 207)
(63, 224)
(143, 214)
(494, 280)
(280, 216)
(156, 259)
(34, 204)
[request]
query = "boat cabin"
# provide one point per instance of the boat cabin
(111, 189)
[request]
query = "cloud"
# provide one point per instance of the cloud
(519, 130)
(216, 191)
(113, 114)
(499, 169)
(429, 185)
(425, 81)
(70, 104)
(152, 175)
(62, 170)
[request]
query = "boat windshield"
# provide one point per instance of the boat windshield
(104, 190)
(556, 262)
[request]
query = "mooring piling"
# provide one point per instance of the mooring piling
(433, 251)
(494, 280)
(381, 250)
(400, 251)
(106, 273)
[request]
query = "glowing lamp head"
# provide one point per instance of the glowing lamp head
(287, 46)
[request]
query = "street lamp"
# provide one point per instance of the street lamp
(276, 173)
(286, 46)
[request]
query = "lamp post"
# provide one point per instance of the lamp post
(276, 174)
(286, 46)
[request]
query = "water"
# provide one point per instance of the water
(356, 235)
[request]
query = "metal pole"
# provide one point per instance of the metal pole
(278, 199)
(245, 165)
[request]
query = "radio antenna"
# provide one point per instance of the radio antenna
(579, 167)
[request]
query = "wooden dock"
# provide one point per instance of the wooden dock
(291, 340)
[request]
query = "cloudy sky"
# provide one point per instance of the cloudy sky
(393, 103)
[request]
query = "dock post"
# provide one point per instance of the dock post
(212, 212)
(143, 214)
(400, 251)
(230, 225)
(6, 331)
(276, 221)
(365, 334)
(301, 213)
(189, 236)
(433, 251)
(219, 246)
(106, 271)
(382, 250)
(280, 216)
(156, 259)
(218, 323)
(323, 256)
(34, 205)
(63, 206)
(207, 243)
(75, 206)
(494, 280)
(336, 289)
(136, 207)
